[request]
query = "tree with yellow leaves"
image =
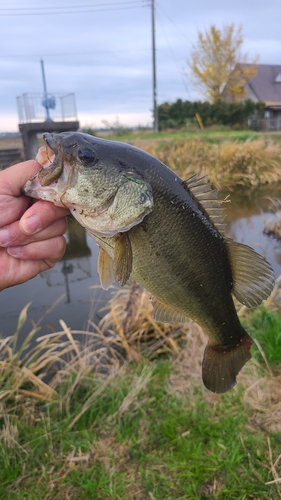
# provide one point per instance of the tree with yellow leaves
(217, 67)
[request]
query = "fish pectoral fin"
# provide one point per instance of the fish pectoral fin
(221, 365)
(123, 259)
(167, 314)
(105, 269)
(253, 277)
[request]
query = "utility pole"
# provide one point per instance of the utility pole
(48, 118)
(155, 111)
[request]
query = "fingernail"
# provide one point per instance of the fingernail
(4, 236)
(31, 225)
(14, 251)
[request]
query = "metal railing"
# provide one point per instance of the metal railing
(32, 107)
(265, 124)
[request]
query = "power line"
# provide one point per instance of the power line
(171, 21)
(43, 11)
(56, 7)
(172, 53)
(154, 83)
(73, 54)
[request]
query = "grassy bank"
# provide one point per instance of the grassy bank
(228, 158)
(103, 427)
(227, 164)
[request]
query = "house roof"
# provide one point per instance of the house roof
(267, 83)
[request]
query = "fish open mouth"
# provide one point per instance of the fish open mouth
(50, 158)
(44, 185)
(46, 154)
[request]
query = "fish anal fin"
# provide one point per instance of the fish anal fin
(207, 196)
(253, 277)
(167, 314)
(123, 259)
(105, 269)
(221, 365)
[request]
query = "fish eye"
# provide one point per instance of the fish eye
(87, 156)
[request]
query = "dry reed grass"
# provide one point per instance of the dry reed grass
(126, 332)
(227, 164)
(130, 323)
(37, 369)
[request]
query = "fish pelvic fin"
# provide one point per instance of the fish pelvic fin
(221, 364)
(123, 259)
(253, 277)
(105, 269)
(167, 314)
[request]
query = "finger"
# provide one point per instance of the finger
(11, 208)
(49, 250)
(13, 178)
(12, 235)
(15, 271)
(39, 216)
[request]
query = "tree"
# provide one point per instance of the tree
(217, 66)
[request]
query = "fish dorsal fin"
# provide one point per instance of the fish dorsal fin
(105, 269)
(253, 277)
(167, 314)
(123, 259)
(207, 196)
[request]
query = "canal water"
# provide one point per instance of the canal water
(71, 291)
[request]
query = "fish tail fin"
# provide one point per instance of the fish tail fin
(221, 364)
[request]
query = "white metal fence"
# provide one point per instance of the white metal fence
(265, 124)
(33, 107)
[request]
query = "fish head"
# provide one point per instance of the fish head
(82, 173)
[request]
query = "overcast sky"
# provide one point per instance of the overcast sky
(104, 54)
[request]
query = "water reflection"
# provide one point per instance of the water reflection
(63, 292)
(247, 202)
(66, 291)
(76, 261)
(247, 214)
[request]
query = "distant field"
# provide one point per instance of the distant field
(10, 142)
(209, 135)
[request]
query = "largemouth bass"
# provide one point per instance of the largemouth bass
(170, 239)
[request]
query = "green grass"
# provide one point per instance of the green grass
(210, 135)
(153, 442)
(265, 326)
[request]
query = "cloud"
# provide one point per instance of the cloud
(105, 58)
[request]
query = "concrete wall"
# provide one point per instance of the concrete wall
(29, 133)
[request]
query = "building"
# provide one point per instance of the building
(265, 87)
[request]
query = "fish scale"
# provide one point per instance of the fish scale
(180, 278)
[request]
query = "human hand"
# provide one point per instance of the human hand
(31, 232)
